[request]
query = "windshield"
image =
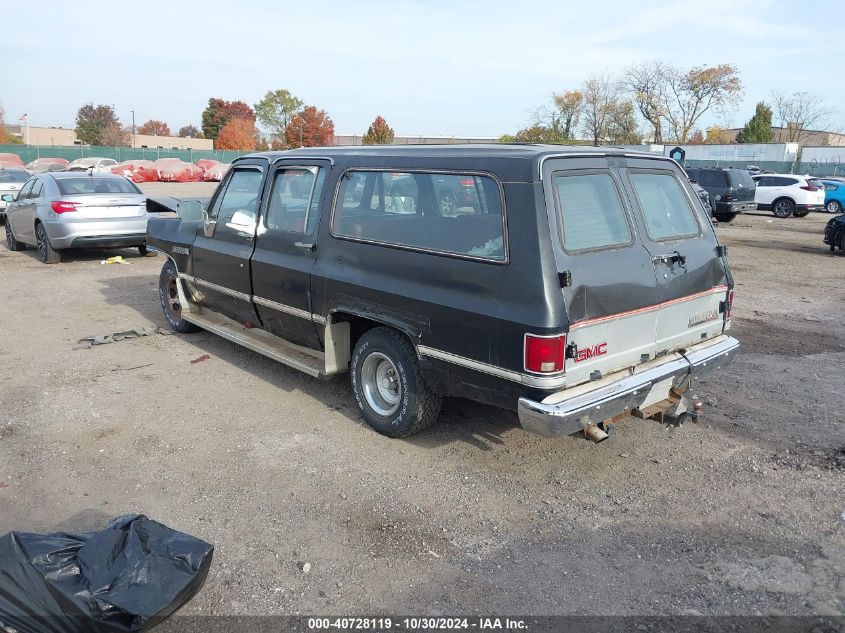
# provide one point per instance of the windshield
(75, 186)
(13, 175)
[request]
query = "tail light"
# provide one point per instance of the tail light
(808, 188)
(60, 206)
(729, 305)
(544, 354)
(467, 182)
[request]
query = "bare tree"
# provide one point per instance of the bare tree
(646, 83)
(799, 113)
(600, 95)
(568, 107)
(688, 95)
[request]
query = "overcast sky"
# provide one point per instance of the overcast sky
(429, 67)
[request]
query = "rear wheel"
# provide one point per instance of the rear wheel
(389, 386)
(11, 243)
(783, 208)
(144, 251)
(725, 217)
(168, 293)
(46, 253)
(833, 206)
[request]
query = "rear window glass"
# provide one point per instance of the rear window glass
(13, 175)
(666, 209)
(458, 214)
(87, 184)
(738, 177)
(590, 212)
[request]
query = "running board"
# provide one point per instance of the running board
(310, 362)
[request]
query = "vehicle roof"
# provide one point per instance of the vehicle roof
(520, 161)
(786, 175)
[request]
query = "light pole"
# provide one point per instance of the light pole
(133, 128)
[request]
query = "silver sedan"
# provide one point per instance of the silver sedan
(61, 210)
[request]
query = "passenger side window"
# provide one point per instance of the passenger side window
(590, 212)
(457, 214)
(666, 209)
(294, 200)
(238, 203)
(37, 189)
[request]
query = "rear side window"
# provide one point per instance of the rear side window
(711, 177)
(457, 214)
(590, 212)
(88, 184)
(667, 212)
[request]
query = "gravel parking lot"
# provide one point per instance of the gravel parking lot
(742, 513)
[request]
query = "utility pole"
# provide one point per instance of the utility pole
(133, 128)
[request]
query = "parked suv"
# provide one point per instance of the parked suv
(787, 194)
(731, 190)
(574, 285)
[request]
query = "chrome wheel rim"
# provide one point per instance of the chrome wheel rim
(447, 204)
(171, 297)
(41, 244)
(833, 206)
(782, 209)
(381, 385)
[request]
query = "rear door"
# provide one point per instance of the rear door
(19, 216)
(692, 277)
(286, 248)
(612, 298)
(224, 243)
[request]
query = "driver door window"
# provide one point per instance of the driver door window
(238, 204)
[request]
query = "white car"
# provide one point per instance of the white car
(11, 181)
(93, 163)
(788, 194)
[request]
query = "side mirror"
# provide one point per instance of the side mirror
(7, 197)
(190, 211)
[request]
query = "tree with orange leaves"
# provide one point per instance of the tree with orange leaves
(155, 128)
(238, 133)
(310, 128)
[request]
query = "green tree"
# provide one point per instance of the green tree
(379, 133)
(219, 112)
(275, 111)
(759, 127)
(622, 128)
(93, 121)
(507, 138)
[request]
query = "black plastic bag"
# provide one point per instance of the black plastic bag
(129, 577)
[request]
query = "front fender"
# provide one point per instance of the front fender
(173, 237)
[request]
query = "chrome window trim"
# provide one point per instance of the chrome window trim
(281, 307)
(212, 286)
(315, 171)
(543, 159)
(301, 157)
(540, 382)
(418, 249)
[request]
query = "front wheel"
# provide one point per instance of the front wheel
(11, 242)
(725, 217)
(833, 206)
(46, 253)
(783, 208)
(168, 293)
(388, 385)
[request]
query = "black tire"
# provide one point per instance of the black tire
(46, 253)
(145, 252)
(403, 405)
(725, 217)
(842, 243)
(833, 206)
(168, 281)
(783, 208)
(11, 243)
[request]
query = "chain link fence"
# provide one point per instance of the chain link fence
(29, 153)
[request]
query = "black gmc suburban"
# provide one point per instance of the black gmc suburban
(575, 285)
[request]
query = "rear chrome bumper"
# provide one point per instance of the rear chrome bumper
(569, 411)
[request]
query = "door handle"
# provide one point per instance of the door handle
(670, 258)
(308, 246)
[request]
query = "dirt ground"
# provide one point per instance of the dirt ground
(742, 513)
